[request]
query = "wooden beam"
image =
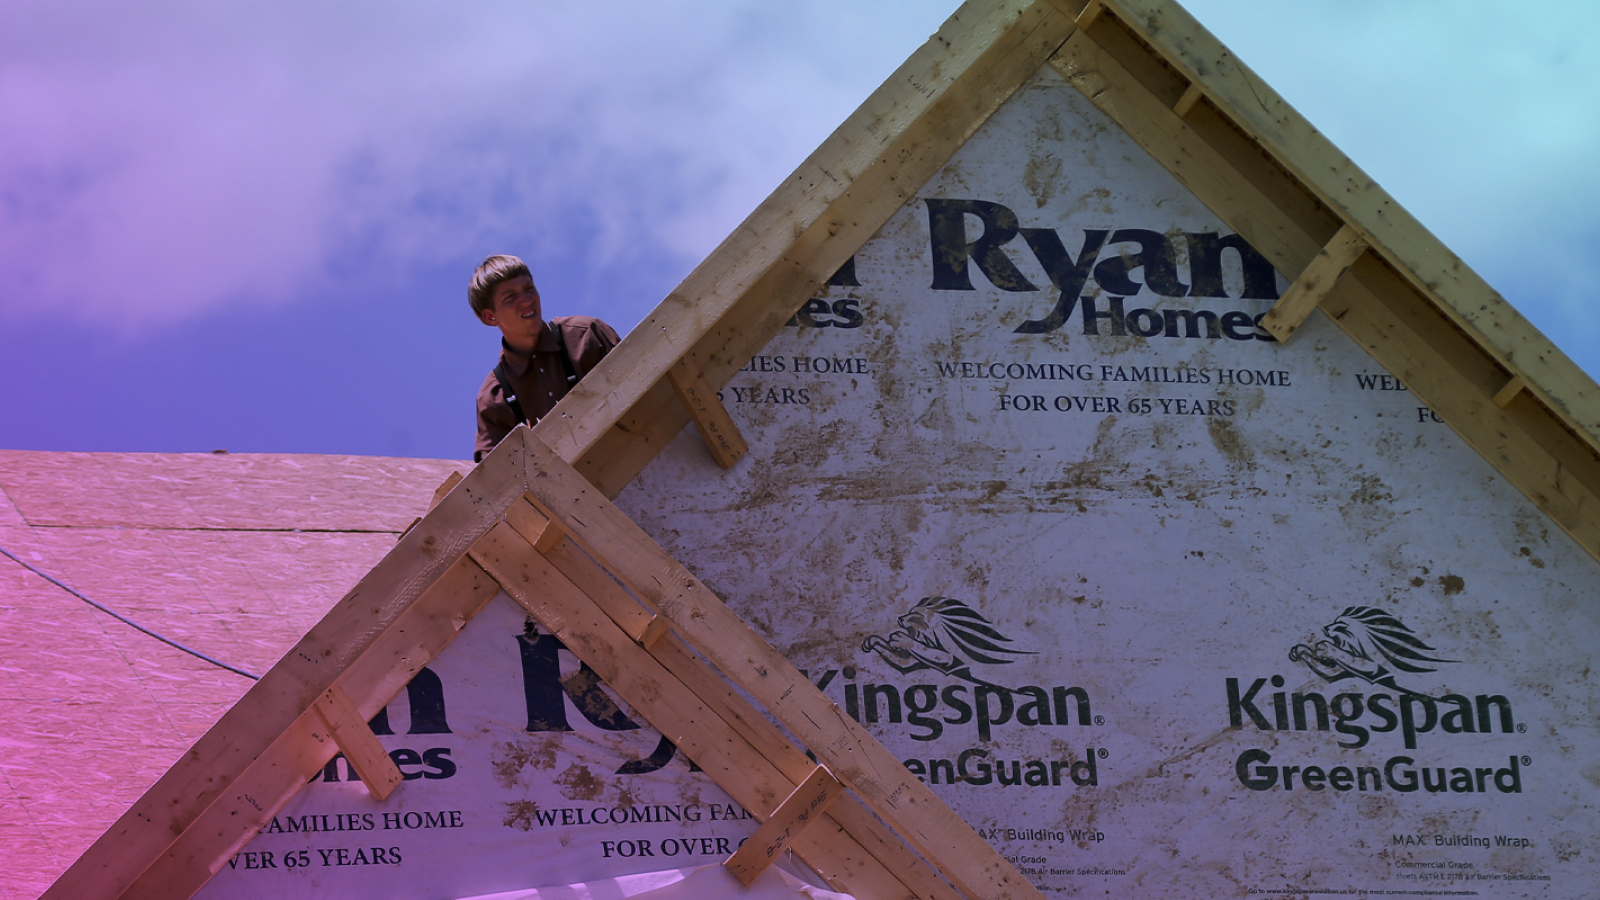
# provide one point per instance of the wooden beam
(801, 808)
(356, 740)
(450, 481)
(550, 536)
(1424, 261)
(657, 629)
(672, 708)
(1191, 96)
(445, 487)
(1505, 395)
(707, 413)
(705, 622)
(262, 751)
(749, 287)
(1290, 312)
(1091, 11)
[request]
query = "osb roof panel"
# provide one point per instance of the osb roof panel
(204, 490)
(203, 549)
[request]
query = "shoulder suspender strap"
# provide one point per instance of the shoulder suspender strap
(566, 357)
(502, 376)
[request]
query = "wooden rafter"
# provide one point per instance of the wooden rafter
(355, 739)
(674, 708)
(707, 413)
(802, 808)
(1312, 287)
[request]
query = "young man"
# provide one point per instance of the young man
(539, 361)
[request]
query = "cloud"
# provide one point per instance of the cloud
(164, 161)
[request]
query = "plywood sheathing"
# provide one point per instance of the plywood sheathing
(266, 492)
(199, 547)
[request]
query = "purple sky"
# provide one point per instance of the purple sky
(249, 225)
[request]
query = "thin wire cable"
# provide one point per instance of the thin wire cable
(129, 622)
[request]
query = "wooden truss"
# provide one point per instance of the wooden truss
(533, 518)
(527, 523)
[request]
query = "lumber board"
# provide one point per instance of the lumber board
(1091, 12)
(800, 809)
(706, 623)
(641, 432)
(670, 707)
(383, 601)
(1391, 231)
(349, 730)
(1505, 395)
(1320, 275)
(658, 628)
(578, 563)
(1191, 95)
(1238, 199)
(735, 301)
(445, 487)
(710, 417)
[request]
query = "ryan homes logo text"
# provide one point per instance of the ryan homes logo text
(1096, 283)
(1374, 652)
(946, 637)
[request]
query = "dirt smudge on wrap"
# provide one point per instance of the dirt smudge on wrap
(578, 783)
(512, 757)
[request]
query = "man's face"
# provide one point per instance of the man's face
(515, 311)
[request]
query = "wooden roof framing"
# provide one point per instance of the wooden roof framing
(533, 517)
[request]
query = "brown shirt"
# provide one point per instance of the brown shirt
(540, 379)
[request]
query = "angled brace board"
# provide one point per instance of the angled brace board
(705, 409)
(803, 807)
(1314, 284)
(356, 740)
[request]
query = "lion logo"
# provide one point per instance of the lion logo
(1367, 643)
(944, 634)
